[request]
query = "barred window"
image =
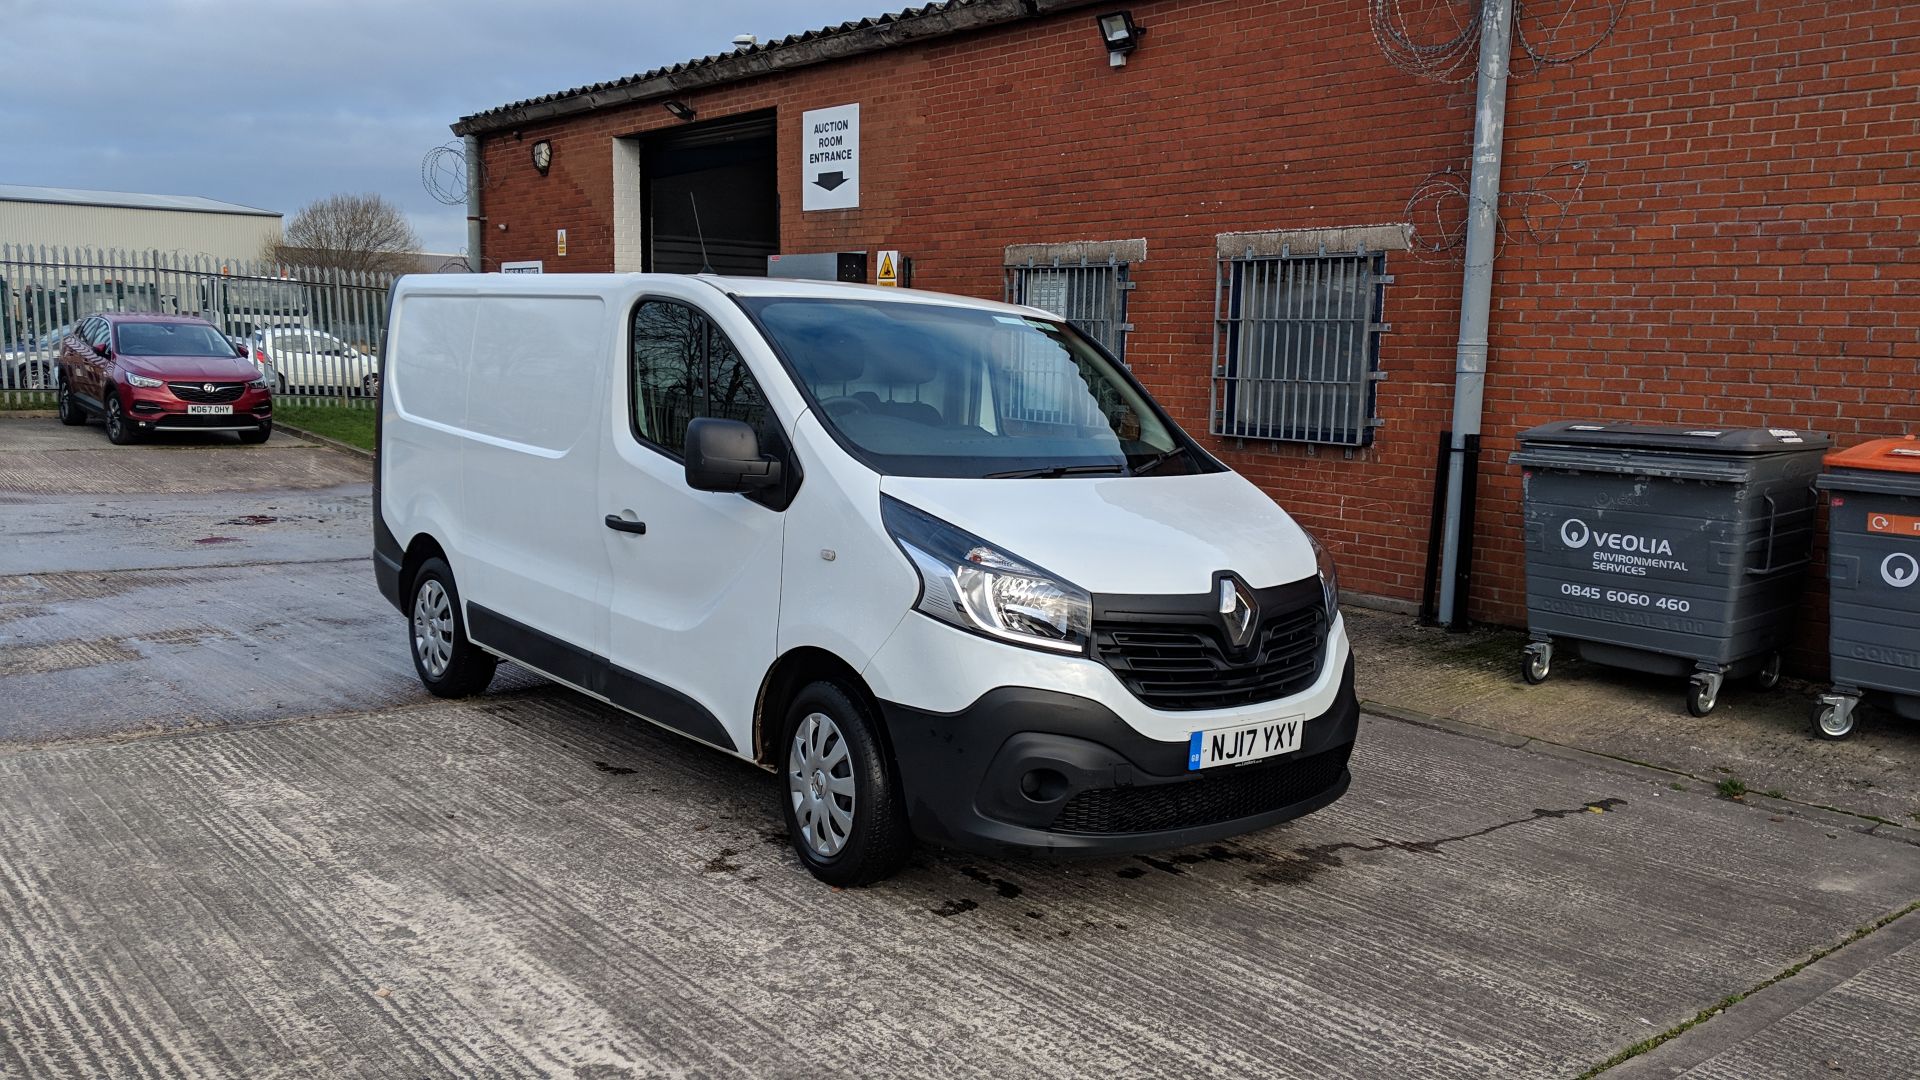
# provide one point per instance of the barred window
(1090, 295)
(1297, 347)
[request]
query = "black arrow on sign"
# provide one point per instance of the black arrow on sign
(830, 180)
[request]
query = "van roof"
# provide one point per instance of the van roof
(734, 286)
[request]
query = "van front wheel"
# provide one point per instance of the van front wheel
(843, 806)
(449, 665)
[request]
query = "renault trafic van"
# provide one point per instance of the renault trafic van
(939, 564)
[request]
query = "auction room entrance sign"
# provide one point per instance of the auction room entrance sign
(830, 158)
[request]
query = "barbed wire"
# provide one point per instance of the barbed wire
(1439, 40)
(1399, 27)
(443, 172)
(1572, 11)
(1537, 211)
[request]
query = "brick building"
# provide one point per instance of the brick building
(1710, 218)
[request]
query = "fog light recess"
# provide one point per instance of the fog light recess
(1043, 785)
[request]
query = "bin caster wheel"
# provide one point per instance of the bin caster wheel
(1704, 693)
(1833, 718)
(1769, 676)
(1536, 663)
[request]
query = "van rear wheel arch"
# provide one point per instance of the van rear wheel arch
(419, 550)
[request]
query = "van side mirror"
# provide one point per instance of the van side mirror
(724, 455)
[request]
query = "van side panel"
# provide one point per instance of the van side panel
(530, 532)
(423, 407)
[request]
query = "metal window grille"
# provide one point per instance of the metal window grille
(1297, 347)
(1044, 387)
(1091, 296)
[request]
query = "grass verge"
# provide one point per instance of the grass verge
(351, 426)
(25, 402)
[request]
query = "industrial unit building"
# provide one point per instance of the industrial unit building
(73, 219)
(1708, 216)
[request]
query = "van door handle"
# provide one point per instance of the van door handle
(620, 524)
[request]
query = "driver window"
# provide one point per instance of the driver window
(682, 367)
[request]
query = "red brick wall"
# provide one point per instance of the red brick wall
(1741, 250)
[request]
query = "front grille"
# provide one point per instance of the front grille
(1206, 799)
(198, 394)
(1182, 661)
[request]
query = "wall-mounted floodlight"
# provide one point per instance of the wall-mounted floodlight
(679, 109)
(543, 156)
(1121, 35)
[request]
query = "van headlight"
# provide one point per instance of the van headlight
(1329, 577)
(977, 587)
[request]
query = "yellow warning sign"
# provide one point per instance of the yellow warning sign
(889, 269)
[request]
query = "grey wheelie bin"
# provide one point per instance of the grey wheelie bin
(1670, 550)
(1873, 563)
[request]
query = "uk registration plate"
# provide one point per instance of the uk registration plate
(209, 410)
(1250, 742)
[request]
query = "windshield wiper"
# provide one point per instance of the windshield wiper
(1158, 460)
(1052, 471)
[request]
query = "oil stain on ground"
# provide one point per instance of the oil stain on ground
(1278, 868)
(1005, 888)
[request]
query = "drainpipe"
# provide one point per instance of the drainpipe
(1476, 293)
(476, 225)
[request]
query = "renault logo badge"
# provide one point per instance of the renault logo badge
(1237, 611)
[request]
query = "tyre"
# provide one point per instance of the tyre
(1830, 723)
(120, 430)
(449, 665)
(370, 386)
(72, 413)
(1535, 666)
(280, 384)
(1702, 696)
(257, 436)
(844, 809)
(1769, 676)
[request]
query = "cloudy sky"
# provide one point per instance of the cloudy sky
(273, 103)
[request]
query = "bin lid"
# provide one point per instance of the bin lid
(1901, 455)
(1672, 437)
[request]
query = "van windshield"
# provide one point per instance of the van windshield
(932, 390)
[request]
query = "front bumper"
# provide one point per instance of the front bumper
(1025, 769)
(157, 409)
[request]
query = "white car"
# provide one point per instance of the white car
(30, 364)
(940, 564)
(302, 358)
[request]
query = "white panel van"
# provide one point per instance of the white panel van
(940, 564)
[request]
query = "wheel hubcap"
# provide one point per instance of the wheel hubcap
(820, 783)
(433, 628)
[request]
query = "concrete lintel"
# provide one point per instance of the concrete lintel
(1336, 240)
(1078, 251)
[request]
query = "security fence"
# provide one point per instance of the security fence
(316, 334)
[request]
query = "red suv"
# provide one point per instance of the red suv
(146, 373)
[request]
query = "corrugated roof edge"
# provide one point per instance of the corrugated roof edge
(821, 46)
(127, 200)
